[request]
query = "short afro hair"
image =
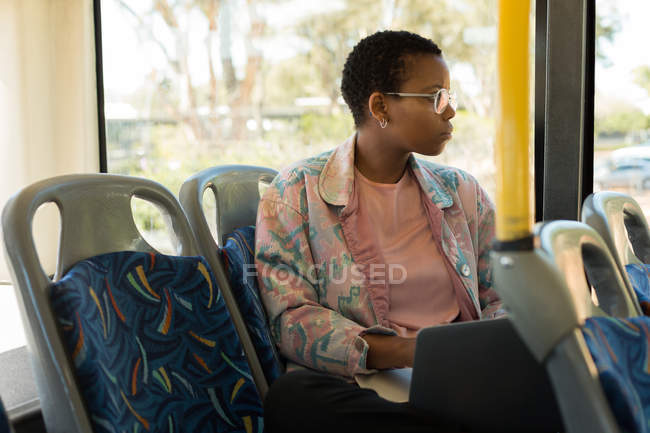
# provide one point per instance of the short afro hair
(376, 63)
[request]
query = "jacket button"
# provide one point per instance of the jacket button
(465, 270)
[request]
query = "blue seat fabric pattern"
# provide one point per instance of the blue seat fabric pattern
(640, 278)
(4, 421)
(239, 261)
(153, 346)
(619, 348)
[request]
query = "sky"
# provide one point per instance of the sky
(626, 53)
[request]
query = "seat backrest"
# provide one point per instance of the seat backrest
(153, 346)
(95, 219)
(619, 349)
(593, 353)
(584, 260)
(604, 338)
(639, 276)
(620, 222)
(239, 260)
(236, 193)
(583, 401)
(548, 317)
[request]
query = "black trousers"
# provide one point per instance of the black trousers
(310, 402)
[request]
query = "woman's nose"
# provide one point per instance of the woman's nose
(449, 113)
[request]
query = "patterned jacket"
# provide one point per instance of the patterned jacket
(314, 270)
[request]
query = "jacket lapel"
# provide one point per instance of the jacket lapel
(436, 187)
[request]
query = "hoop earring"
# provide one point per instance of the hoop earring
(383, 123)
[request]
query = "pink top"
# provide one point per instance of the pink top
(421, 292)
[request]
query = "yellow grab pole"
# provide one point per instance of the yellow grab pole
(512, 132)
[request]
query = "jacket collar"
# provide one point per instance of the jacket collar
(336, 181)
(432, 183)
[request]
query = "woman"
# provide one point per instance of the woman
(360, 247)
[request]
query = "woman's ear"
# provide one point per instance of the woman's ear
(377, 106)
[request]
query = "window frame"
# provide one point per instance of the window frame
(564, 142)
(99, 72)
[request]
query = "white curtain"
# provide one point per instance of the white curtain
(48, 102)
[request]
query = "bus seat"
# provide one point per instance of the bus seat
(619, 348)
(5, 426)
(152, 345)
(236, 193)
(548, 301)
(124, 337)
(239, 260)
(621, 223)
(639, 275)
(585, 261)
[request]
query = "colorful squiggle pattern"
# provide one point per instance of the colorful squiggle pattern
(640, 278)
(620, 349)
(238, 255)
(153, 346)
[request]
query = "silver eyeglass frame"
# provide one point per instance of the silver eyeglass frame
(433, 97)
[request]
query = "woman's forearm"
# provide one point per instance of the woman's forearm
(389, 351)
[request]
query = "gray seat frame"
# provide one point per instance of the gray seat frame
(96, 218)
(236, 193)
(579, 252)
(618, 218)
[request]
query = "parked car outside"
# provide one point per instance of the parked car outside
(632, 173)
(641, 151)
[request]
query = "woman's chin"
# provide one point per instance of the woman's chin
(434, 150)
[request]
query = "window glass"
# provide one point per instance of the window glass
(190, 84)
(622, 100)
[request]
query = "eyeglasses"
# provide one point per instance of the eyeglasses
(441, 99)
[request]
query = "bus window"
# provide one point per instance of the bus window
(622, 100)
(196, 84)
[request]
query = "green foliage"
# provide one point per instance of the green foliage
(161, 151)
(622, 122)
(642, 77)
(608, 24)
(322, 128)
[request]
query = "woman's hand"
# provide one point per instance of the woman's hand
(389, 351)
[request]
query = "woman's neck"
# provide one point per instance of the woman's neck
(378, 160)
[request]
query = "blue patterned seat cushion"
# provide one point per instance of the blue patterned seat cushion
(640, 278)
(4, 421)
(620, 348)
(240, 267)
(153, 346)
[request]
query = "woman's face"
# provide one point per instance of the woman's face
(413, 123)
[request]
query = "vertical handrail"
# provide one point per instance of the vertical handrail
(514, 222)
